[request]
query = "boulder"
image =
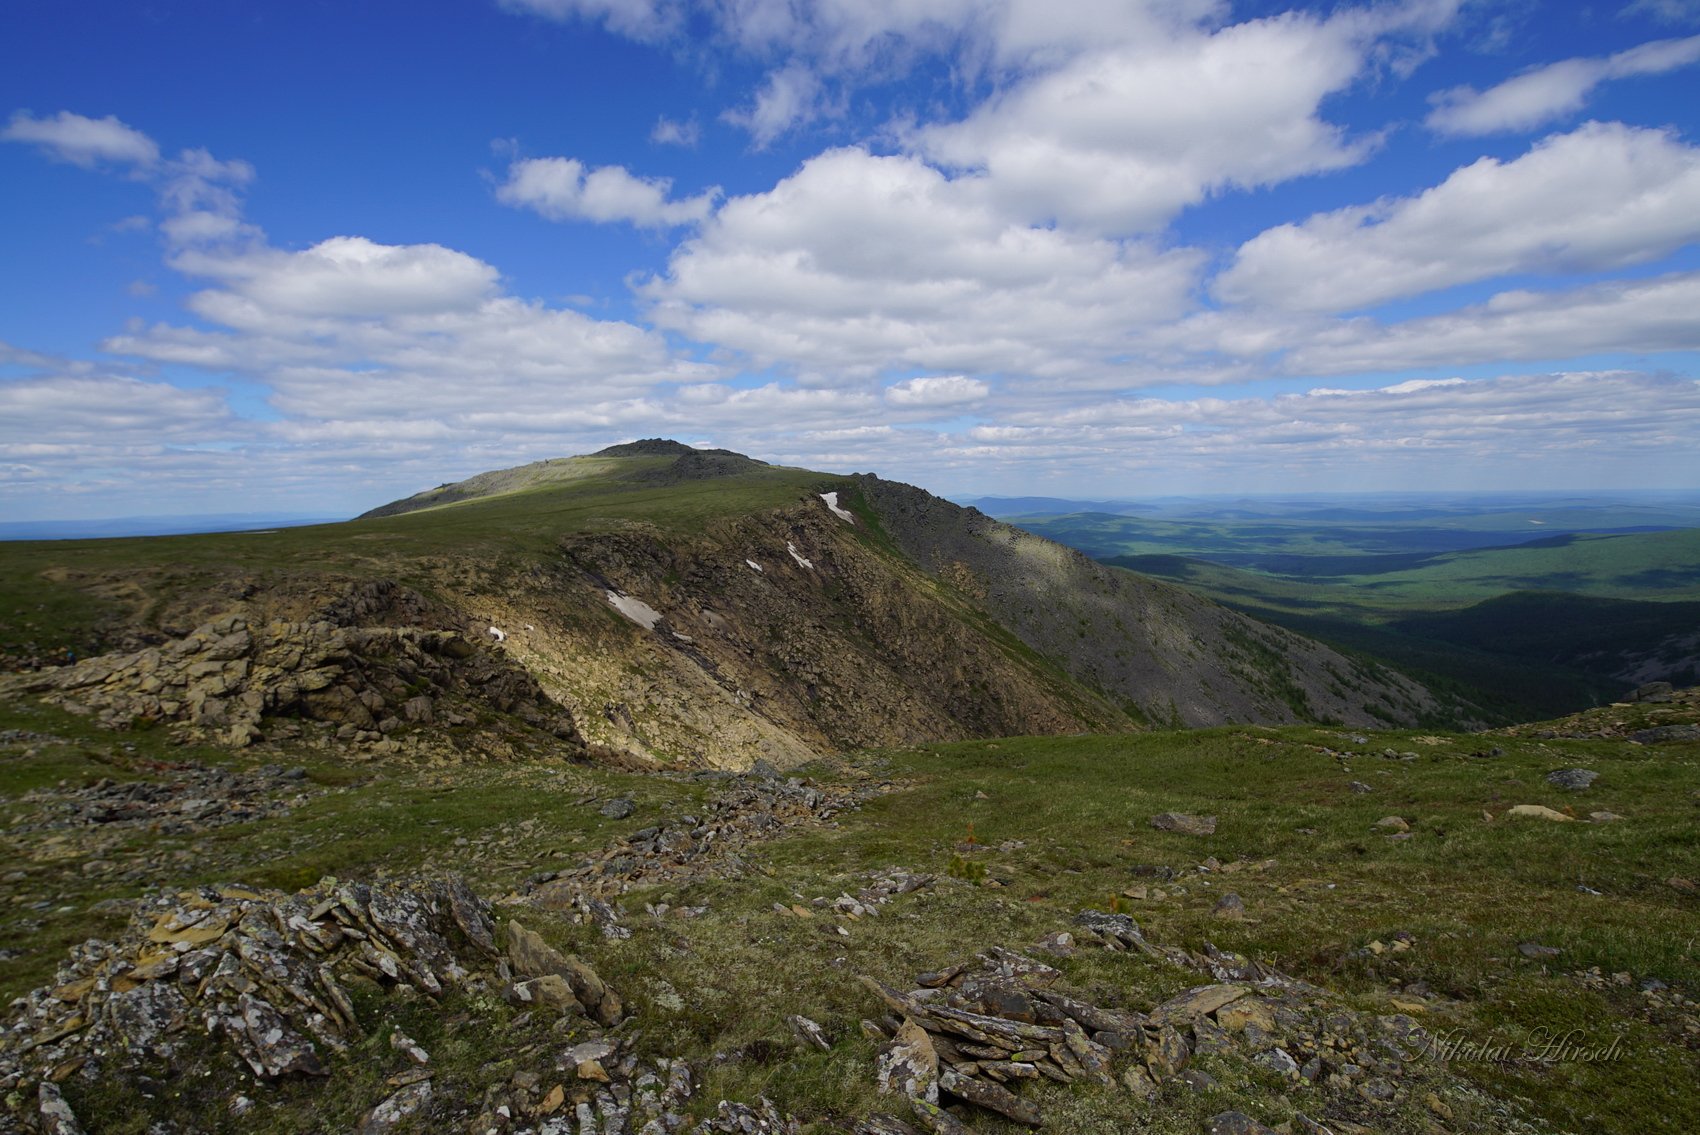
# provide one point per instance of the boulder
(1184, 824)
(1231, 907)
(909, 1066)
(1200, 1001)
(532, 957)
(1537, 812)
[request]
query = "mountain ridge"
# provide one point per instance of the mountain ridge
(704, 608)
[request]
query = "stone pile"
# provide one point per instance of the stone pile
(28, 737)
(594, 1087)
(187, 798)
(880, 888)
(734, 1118)
(1671, 1009)
(975, 1033)
(234, 680)
(263, 973)
(747, 810)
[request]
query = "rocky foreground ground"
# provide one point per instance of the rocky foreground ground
(553, 947)
(257, 987)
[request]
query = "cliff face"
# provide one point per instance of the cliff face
(782, 637)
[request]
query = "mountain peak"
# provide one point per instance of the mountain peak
(661, 447)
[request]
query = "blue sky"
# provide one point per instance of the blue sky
(313, 256)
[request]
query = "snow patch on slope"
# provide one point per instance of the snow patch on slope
(636, 610)
(843, 514)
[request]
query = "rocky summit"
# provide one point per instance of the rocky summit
(664, 790)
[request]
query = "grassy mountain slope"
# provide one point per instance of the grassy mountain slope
(775, 628)
(1132, 636)
(1400, 943)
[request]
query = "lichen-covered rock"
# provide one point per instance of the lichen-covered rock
(57, 1118)
(733, 1118)
(1184, 824)
(909, 1066)
(1236, 1123)
(1537, 812)
(396, 1110)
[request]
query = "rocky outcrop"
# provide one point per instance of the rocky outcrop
(976, 1032)
(264, 973)
(800, 631)
(1652, 714)
(853, 613)
(229, 677)
(255, 998)
(186, 798)
(244, 994)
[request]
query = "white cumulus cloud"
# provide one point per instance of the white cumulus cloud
(1637, 316)
(1604, 196)
(859, 262)
(942, 390)
(346, 277)
(676, 132)
(60, 409)
(564, 189)
(1551, 91)
(1123, 138)
(789, 98)
(81, 140)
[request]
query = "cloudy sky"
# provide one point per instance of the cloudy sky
(311, 256)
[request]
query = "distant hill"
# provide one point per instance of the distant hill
(115, 527)
(1053, 506)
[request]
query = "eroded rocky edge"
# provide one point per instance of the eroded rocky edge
(364, 671)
